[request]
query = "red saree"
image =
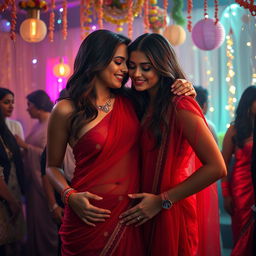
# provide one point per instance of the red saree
(241, 190)
(184, 229)
(107, 164)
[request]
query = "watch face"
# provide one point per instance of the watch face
(166, 204)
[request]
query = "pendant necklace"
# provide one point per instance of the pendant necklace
(106, 107)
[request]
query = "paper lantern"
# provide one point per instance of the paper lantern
(61, 69)
(175, 34)
(33, 29)
(208, 36)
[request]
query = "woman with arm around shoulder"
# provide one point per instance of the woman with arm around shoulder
(237, 188)
(174, 135)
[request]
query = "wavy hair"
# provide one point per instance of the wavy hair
(94, 55)
(163, 59)
(244, 118)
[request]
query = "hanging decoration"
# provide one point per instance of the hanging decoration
(130, 19)
(216, 11)
(208, 36)
(4, 5)
(189, 17)
(175, 34)
(52, 21)
(33, 29)
(177, 13)
(146, 16)
(156, 19)
(248, 4)
(85, 17)
(230, 75)
(100, 14)
(116, 11)
(65, 19)
(61, 69)
(13, 19)
(165, 12)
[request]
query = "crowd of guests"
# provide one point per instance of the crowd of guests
(113, 170)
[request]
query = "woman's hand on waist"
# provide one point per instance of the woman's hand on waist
(80, 204)
(149, 206)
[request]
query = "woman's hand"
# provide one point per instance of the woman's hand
(149, 206)
(183, 87)
(88, 213)
(57, 215)
(21, 142)
(228, 204)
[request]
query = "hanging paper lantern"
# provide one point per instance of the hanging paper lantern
(61, 69)
(175, 34)
(208, 36)
(33, 29)
(5, 25)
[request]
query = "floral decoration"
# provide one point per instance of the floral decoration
(156, 18)
(33, 4)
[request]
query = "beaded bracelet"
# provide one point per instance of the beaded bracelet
(68, 194)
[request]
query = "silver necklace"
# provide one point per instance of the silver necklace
(106, 107)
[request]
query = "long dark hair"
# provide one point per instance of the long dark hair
(5, 91)
(94, 55)
(163, 59)
(12, 145)
(244, 118)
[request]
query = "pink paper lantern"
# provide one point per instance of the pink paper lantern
(208, 36)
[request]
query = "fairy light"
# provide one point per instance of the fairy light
(230, 76)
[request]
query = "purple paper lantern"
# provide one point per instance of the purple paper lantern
(208, 36)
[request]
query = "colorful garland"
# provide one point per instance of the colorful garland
(205, 9)
(165, 12)
(130, 19)
(156, 18)
(13, 19)
(189, 17)
(216, 10)
(65, 20)
(177, 13)
(100, 14)
(248, 5)
(52, 21)
(146, 17)
(5, 5)
(33, 4)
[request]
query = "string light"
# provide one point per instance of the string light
(230, 76)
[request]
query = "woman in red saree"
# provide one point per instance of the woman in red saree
(174, 134)
(238, 190)
(103, 129)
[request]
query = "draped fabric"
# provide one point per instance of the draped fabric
(42, 238)
(184, 228)
(242, 193)
(107, 164)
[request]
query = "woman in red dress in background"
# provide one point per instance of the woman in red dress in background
(101, 125)
(174, 133)
(238, 191)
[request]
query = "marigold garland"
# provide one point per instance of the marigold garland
(100, 14)
(64, 20)
(130, 19)
(216, 10)
(165, 12)
(13, 19)
(146, 16)
(33, 4)
(189, 17)
(52, 21)
(5, 5)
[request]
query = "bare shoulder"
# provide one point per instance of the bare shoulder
(63, 108)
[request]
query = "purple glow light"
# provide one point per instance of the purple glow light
(94, 27)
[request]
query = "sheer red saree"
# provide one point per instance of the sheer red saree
(107, 164)
(184, 229)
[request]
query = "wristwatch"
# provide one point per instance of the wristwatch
(166, 203)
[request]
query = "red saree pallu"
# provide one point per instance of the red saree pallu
(241, 189)
(182, 230)
(107, 164)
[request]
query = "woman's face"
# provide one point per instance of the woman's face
(113, 75)
(32, 110)
(7, 105)
(143, 75)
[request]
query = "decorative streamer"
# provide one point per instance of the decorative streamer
(177, 13)
(216, 11)
(65, 20)
(189, 17)
(100, 14)
(130, 19)
(165, 12)
(13, 19)
(146, 14)
(52, 21)
(205, 9)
